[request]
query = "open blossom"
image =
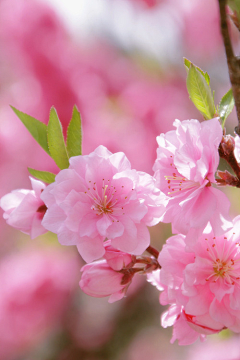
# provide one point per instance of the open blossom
(100, 280)
(101, 197)
(24, 209)
(202, 286)
(187, 159)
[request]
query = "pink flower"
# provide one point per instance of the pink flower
(100, 280)
(187, 159)
(202, 286)
(24, 209)
(100, 197)
(116, 259)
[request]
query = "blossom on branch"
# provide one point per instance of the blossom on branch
(100, 280)
(187, 159)
(24, 209)
(202, 286)
(100, 197)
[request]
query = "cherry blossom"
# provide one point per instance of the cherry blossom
(202, 286)
(100, 280)
(100, 197)
(187, 159)
(24, 209)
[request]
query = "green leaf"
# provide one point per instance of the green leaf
(235, 5)
(226, 106)
(74, 134)
(36, 128)
(188, 63)
(200, 92)
(45, 176)
(56, 142)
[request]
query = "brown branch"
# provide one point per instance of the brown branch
(154, 252)
(232, 61)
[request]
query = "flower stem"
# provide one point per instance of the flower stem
(232, 61)
(154, 252)
(226, 151)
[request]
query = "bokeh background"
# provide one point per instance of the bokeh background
(121, 63)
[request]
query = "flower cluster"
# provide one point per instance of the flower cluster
(103, 207)
(202, 286)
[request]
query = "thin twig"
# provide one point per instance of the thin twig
(232, 61)
(154, 252)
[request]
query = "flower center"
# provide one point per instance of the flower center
(221, 268)
(225, 261)
(105, 206)
(108, 200)
(177, 183)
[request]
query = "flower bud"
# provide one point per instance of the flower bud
(117, 259)
(228, 144)
(100, 280)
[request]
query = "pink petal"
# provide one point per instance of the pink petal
(53, 219)
(37, 186)
(91, 248)
(37, 228)
(116, 229)
(103, 224)
(219, 313)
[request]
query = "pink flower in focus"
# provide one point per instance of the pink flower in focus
(100, 280)
(202, 286)
(24, 209)
(100, 197)
(187, 159)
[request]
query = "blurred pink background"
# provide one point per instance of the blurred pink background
(121, 63)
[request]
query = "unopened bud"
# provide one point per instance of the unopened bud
(228, 144)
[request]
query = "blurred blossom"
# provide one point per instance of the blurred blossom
(219, 348)
(151, 344)
(93, 322)
(200, 28)
(36, 289)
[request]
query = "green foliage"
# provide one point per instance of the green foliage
(74, 134)
(50, 137)
(45, 176)
(226, 106)
(199, 90)
(234, 5)
(56, 142)
(36, 128)
(188, 63)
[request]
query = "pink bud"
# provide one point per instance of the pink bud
(117, 259)
(100, 280)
